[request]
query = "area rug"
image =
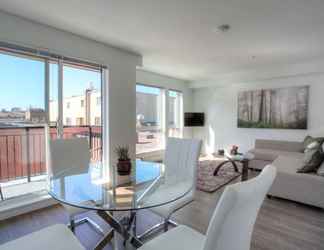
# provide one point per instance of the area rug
(207, 182)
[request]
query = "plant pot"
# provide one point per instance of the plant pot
(124, 167)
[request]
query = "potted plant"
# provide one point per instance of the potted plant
(124, 164)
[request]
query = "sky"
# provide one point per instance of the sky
(152, 90)
(147, 90)
(22, 82)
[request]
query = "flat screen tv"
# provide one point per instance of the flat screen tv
(194, 119)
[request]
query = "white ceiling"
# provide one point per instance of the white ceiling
(178, 38)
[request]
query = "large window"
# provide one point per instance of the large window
(149, 119)
(38, 90)
(153, 125)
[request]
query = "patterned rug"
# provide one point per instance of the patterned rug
(208, 182)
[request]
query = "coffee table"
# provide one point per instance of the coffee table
(233, 159)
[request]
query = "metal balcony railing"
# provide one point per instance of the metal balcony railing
(22, 149)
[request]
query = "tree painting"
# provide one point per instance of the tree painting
(283, 108)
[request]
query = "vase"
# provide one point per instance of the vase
(124, 167)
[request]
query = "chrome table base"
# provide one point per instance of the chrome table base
(126, 227)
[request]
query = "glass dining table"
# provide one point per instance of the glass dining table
(149, 185)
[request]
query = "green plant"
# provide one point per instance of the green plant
(122, 153)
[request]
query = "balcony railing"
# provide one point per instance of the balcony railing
(22, 149)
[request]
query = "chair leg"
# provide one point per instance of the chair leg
(166, 225)
(151, 230)
(134, 225)
(95, 226)
(173, 223)
(72, 224)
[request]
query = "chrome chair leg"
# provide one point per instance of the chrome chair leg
(167, 222)
(74, 223)
(149, 231)
(71, 225)
(163, 225)
(173, 223)
(134, 225)
(166, 225)
(95, 226)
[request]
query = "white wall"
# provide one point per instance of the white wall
(122, 69)
(158, 80)
(220, 107)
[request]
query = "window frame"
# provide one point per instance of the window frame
(180, 110)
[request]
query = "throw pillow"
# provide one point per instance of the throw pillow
(320, 170)
(309, 139)
(313, 158)
(312, 145)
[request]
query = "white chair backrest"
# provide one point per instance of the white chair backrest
(233, 221)
(181, 158)
(67, 154)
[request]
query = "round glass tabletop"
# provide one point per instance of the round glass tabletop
(149, 185)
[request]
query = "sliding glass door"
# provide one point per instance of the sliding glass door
(22, 113)
(37, 91)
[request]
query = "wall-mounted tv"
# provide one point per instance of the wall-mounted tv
(194, 119)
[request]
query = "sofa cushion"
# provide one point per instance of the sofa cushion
(288, 164)
(271, 155)
(291, 146)
(264, 154)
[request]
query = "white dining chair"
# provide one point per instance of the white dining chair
(72, 154)
(232, 223)
(180, 160)
(50, 238)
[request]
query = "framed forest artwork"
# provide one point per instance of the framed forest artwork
(282, 108)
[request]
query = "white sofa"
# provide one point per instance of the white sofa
(287, 156)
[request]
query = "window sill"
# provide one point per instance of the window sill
(25, 204)
(156, 155)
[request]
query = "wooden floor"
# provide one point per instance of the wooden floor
(281, 224)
